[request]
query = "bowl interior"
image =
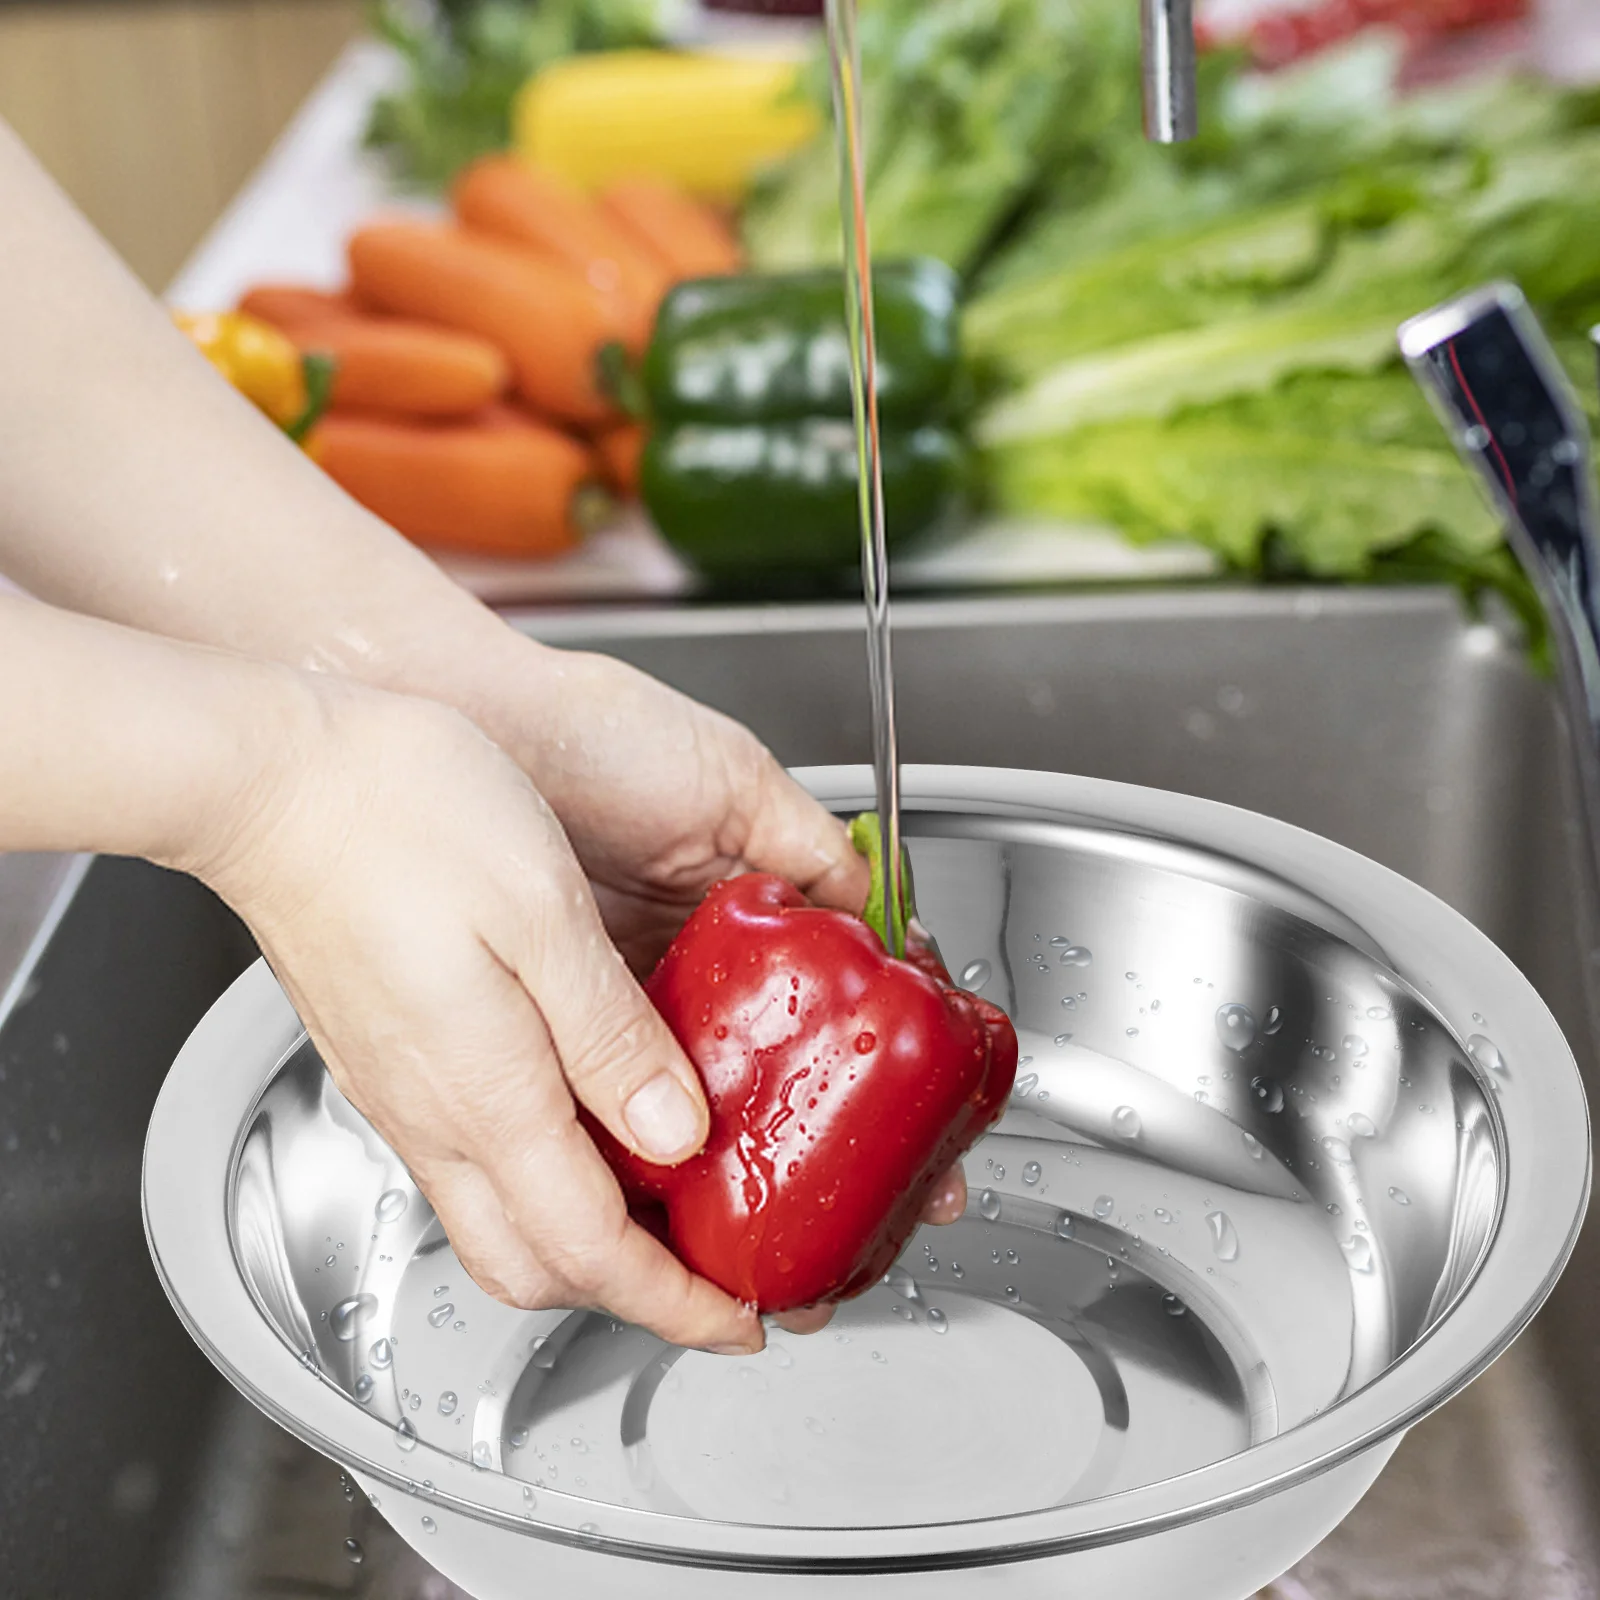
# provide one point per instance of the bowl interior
(1244, 1170)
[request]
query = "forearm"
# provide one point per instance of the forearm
(135, 485)
(115, 741)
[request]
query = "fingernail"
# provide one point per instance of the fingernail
(733, 1349)
(662, 1118)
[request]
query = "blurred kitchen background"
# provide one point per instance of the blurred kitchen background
(151, 115)
(1224, 309)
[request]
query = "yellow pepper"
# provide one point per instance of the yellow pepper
(263, 365)
(707, 123)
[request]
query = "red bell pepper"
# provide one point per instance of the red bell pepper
(842, 1084)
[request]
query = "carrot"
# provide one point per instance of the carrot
(409, 369)
(386, 364)
(555, 329)
(286, 305)
(536, 210)
(620, 451)
(688, 236)
(502, 485)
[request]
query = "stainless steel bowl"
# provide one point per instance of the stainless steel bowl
(1294, 1153)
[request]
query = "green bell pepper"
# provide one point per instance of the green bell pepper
(784, 497)
(751, 466)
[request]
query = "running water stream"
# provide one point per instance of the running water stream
(844, 57)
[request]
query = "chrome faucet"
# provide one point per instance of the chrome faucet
(1170, 113)
(1503, 395)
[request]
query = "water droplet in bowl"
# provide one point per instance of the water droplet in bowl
(902, 1283)
(1236, 1026)
(349, 1314)
(1224, 1236)
(1269, 1094)
(1361, 1125)
(1076, 956)
(381, 1353)
(1358, 1252)
(975, 974)
(1125, 1121)
(989, 1205)
(1031, 1173)
(1486, 1053)
(441, 1314)
(1104, 1206)
(390, 1204)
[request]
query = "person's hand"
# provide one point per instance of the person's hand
(423, 910)
(661, 797)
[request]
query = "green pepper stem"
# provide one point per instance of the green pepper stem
(318, 369)
(867, 836)
(620, 382)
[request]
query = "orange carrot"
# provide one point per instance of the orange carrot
(554, 328)
(386, 363)
(536, 210)
(409, 369)
(620, 451)
(286, 305)
(502, 485)
(687, 236)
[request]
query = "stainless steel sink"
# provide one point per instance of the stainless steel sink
(1386, 720)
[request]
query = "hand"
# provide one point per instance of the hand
(426, 915)
(661, 797)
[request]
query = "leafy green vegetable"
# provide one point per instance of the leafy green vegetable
(465, 61)
(1199, 341)
(1334, 470)
(973, 109)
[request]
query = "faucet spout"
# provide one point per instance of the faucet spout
(1170, 111)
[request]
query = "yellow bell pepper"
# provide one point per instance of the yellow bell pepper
(263, 364)
(707, 123)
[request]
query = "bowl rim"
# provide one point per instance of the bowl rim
(214, 1084)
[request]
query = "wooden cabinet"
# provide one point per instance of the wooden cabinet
(151, 115)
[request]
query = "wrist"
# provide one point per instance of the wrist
(256, 733)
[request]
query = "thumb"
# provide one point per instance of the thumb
(619, 1058)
